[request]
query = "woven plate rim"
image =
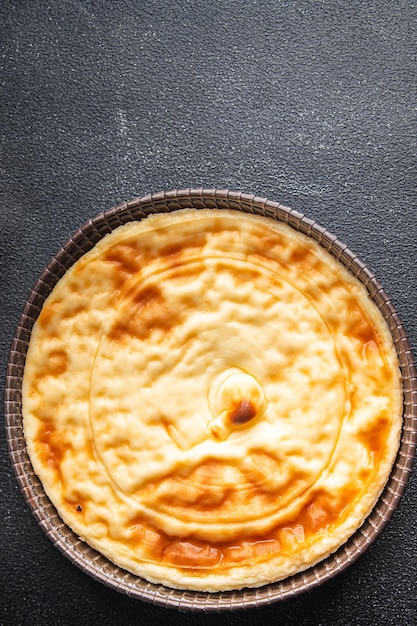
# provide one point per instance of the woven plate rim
(96, 565)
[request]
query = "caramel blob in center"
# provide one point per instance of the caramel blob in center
(237, 401)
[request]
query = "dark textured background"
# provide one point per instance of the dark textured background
(310, 102)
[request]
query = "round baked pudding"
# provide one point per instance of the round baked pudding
(211, 400)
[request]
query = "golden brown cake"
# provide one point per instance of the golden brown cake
(211, 400)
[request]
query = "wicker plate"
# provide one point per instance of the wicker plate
(94, 563)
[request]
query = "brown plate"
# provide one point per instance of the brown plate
(94, 563)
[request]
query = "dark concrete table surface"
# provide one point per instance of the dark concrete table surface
(311, 103)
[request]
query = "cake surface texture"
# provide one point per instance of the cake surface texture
(211, 400)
